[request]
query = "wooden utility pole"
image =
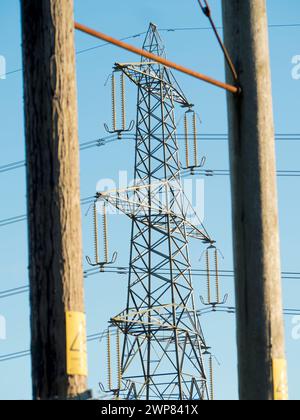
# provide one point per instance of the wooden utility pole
(58, 341)
(261, 350)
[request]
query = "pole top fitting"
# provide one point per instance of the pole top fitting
(153, 26)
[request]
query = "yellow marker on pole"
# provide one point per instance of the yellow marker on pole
(76, 344)
(280, 380)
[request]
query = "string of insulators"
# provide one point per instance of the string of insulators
(212, 273)
(114, 103)
(123, 101)
(211, 378)
(208, 277)
(109, 371)
(105, 234)
(196, 163)
(217, 276)
(194, 138)
(115, 125)
(119, 366)
(186, 133)
(96, 240)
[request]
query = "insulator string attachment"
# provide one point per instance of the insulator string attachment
(105, 234)
(212, 273)
(106, 261)
(114, 104)
(122, 129)
(191, 137)
(110, 386)
(123, 101)
(96, 238)
(186, 136)
(211, 378)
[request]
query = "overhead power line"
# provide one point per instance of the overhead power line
(79, 52)
(226, 172)
(186, 172)
(220, 27)
(285, 275)
(13, 220)
(14, 292)
(170, 30)
(23, 217)
(99, 336)
(103, 141)
(26, 353)
(232, 310)
(83, 146)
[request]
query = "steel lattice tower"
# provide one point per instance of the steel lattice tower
(163, 342)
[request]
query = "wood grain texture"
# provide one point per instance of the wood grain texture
(52, 153)
(260, 328)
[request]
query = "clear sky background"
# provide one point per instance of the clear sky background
(106, 293)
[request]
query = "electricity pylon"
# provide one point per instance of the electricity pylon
(163, 342)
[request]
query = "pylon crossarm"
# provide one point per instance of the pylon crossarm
(134, 322)
(137, 210)
(135, 206)
(136, 71)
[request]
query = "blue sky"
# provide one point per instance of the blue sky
(106, 293)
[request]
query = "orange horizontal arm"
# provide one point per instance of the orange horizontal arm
(156, 58)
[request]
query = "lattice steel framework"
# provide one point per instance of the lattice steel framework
(163, 342)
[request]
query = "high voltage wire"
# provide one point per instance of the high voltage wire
(13, 220)
(226, 172)
(83, 146)
(170, 30)
(12, 166)
(232, 310)
(186, 172)
(26, 353)
(207, 28)
(125, 271)
(114, 138)
(99, 336)
(23, 217)
(223, 273)
(83, 51)
(13, 292)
